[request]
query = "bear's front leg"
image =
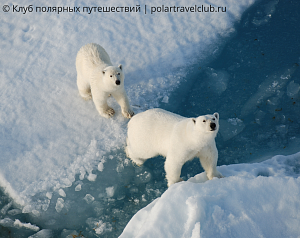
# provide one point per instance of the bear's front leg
(100, 101)
(208, 160)
(173, 169)
(122, 100)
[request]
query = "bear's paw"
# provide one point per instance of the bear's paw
(110, 112)
(128, 114)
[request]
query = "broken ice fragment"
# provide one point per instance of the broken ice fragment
(165, 99)
(92, 177)
(89, 198)
(110, 191)
(78, 188)
(231, 127)
(292, 89)
(62, 193)
(59, 205)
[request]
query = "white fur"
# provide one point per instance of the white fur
(97, 79)
(179, 139)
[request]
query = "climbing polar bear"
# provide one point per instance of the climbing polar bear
(179, 139)
(97, 79)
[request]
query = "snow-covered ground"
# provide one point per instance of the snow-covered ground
(254, 200)
(63, 170)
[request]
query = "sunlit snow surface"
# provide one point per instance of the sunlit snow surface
(255, 200)
(63, 167)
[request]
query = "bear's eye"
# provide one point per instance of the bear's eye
(194, 121)
(213, 119)
(204, 120)
(118, 73)
(110, 75)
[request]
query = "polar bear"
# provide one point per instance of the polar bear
(97, 79)
(179, 139)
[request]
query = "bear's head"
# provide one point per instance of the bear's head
(208, 124)
(113, 78)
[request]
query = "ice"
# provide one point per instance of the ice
(259, 117)
(253, 200)
(63, 167)
(196, 231)
(110, 191)
(49, 195)
(165, 99)
(59, 205)
(271, 86)
(7, 222)
(292, 89)
(231, 127)
(282, 130)
(265, 17)
(5, 208)
(19, 224)
(217, 80)
(142, 175)
(42, 234)
(101, 165)
(69, 234)
(100, 227)
(89, 198)
(92, 177)
(14, 212)
(62, 193)
(78, 188)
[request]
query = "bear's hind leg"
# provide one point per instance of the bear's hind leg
(85, 94)
(84, 89)
(137, 161)
(173, 170)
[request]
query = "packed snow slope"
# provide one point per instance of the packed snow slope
(254, 200)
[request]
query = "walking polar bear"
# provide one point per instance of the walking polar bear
(97, 79)
(158, 132)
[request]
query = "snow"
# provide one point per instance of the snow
(59, 205)
(42, 234)
(253, 200)
(63, 169)
(49, 133)
(7, 222)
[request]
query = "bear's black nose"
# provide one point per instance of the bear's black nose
(212, 126)
(118, 82)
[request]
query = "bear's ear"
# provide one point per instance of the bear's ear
(120, 67)
(194, 120)
(216, 115)
(103, 72)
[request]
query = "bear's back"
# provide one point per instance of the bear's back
(155, 119)
(153, 129)
(93, 55)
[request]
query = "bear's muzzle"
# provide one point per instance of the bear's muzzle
(213, 126)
